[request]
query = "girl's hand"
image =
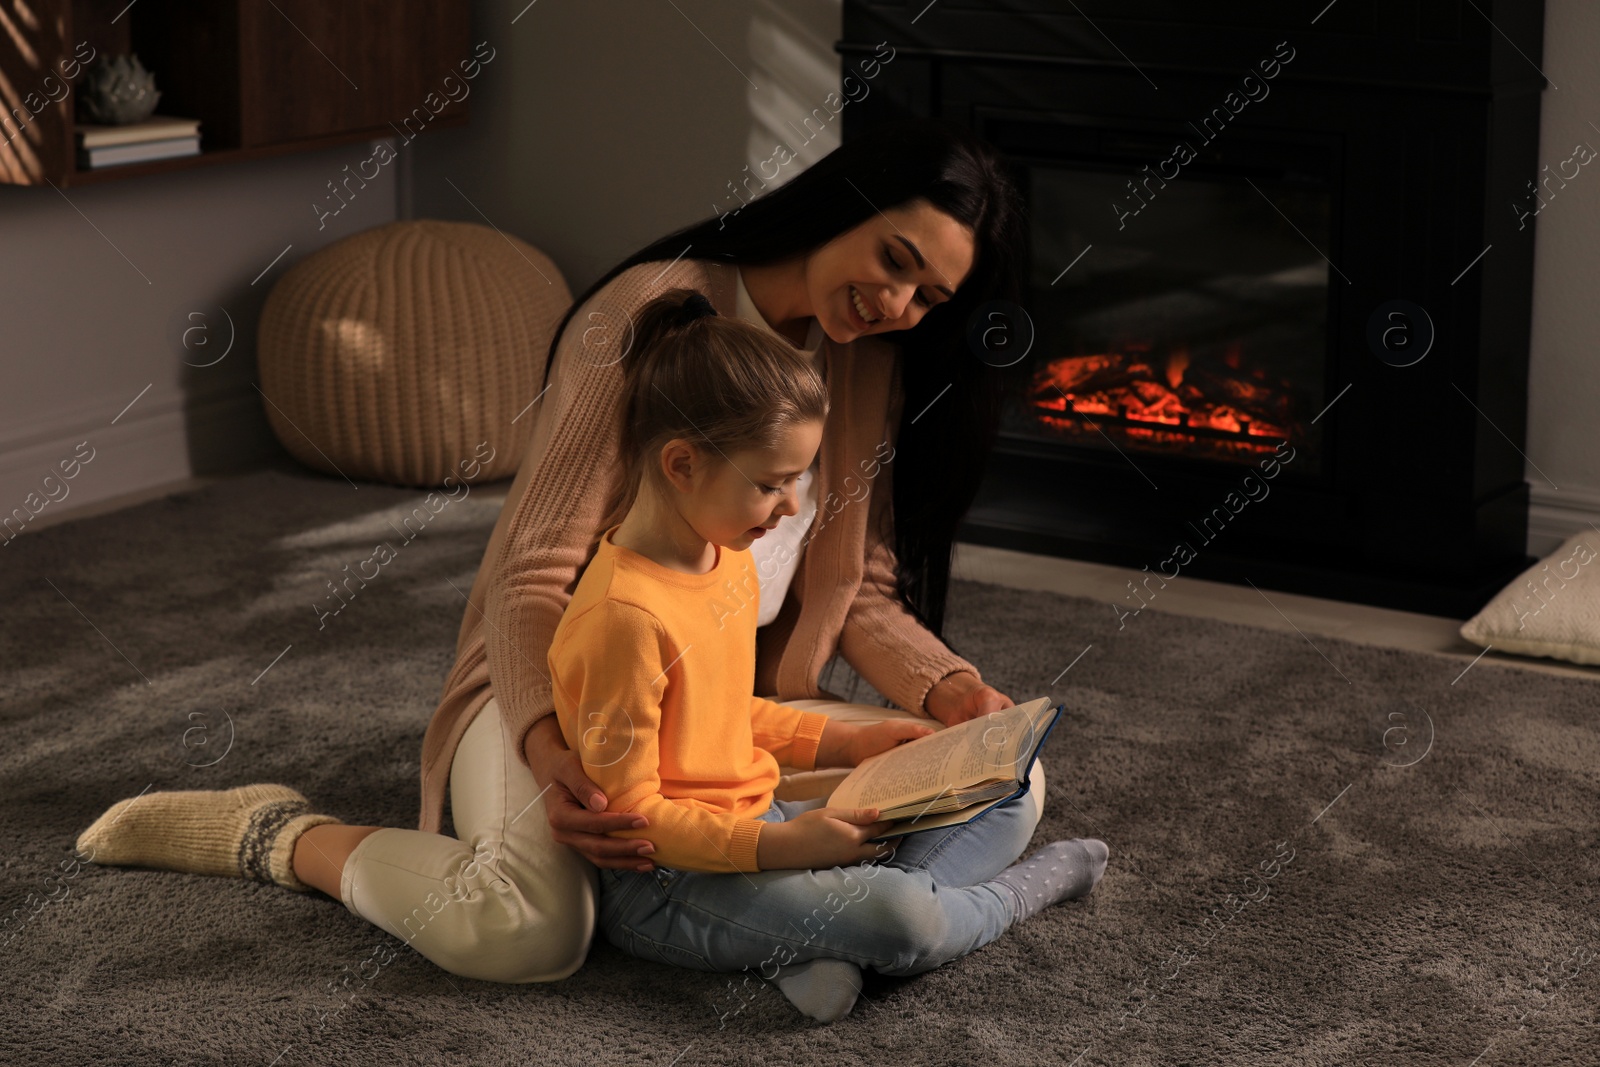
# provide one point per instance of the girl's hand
(823, 838)
(847, 744)
(571, 823)
(869, 739)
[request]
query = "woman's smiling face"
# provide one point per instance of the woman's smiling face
(897, 265)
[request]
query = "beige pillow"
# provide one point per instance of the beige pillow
(1552, 609)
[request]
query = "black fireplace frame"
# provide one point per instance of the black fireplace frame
(1421, 501)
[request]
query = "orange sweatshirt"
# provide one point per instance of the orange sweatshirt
(653, 675)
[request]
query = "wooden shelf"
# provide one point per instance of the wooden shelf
(264, 77)
(235, 155)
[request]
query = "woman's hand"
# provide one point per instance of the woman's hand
(849, 744)
(823, 838)
(961, 696)
(558, 768)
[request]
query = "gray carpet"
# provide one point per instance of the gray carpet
(1297, 875)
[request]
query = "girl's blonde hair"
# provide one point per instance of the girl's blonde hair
(721, 383)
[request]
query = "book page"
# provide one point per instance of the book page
(939, 821)
(980, 750)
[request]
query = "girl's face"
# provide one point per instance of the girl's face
(738, 500)
(897, 265)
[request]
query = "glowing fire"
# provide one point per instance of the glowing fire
(1148, 396)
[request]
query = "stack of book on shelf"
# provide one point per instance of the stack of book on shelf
(158, 137)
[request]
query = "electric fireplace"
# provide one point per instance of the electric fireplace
(1276, 310)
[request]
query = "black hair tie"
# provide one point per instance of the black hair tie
(696, 307)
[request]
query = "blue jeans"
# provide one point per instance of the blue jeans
(923, 906)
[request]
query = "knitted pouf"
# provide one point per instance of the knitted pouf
(403, 353)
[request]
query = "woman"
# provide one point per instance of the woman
(873, 259)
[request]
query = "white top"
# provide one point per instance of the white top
(777, 553)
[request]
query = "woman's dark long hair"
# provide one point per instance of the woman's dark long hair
(940, 456)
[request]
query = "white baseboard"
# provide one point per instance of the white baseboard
(1555, 515)
(157, 442)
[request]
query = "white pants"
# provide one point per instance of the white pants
(504, 902)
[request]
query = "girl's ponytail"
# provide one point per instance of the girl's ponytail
(667, 316)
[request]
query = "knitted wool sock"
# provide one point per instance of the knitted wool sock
(1059, 871)
(824, 989)
(246, 832)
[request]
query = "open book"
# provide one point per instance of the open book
(953, 775)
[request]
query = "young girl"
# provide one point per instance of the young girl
(652, 668)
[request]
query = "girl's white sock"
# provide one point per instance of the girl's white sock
(1059, 871)
(824, 989)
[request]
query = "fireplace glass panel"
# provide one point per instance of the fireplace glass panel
(1190, 320)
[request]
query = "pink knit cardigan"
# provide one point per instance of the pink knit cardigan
(840, 600)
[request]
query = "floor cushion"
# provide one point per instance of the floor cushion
(406, 353)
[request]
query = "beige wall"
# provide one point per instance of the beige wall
(98, 282)
(1564, 395)
(600, 127)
